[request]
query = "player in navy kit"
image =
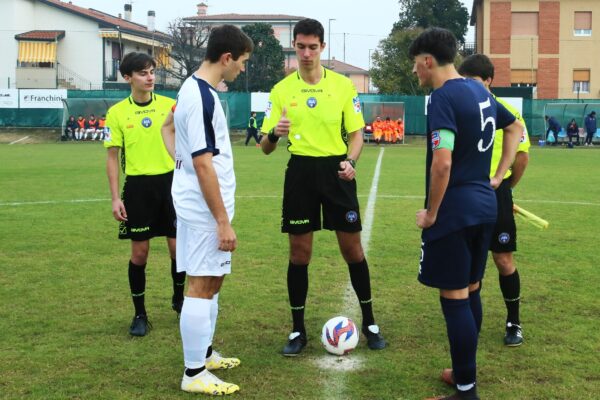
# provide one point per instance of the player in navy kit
(460, 204)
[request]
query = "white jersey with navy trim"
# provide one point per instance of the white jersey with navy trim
(200, 128)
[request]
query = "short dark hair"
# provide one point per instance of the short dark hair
(227, 39)
(477, 65)
(309, 26)
(134, 62)
(439, 42)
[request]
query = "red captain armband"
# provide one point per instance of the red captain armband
(173, 108)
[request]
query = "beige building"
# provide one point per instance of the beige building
(283, 26)
(551, 45)
(358, 76)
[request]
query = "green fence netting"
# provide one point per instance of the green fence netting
(237, 109)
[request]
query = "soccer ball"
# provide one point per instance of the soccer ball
(339, 336)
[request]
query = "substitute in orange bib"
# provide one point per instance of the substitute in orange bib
(389, 128)
(399, 130)
(378, 126)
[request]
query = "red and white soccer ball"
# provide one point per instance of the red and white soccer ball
(339, 336)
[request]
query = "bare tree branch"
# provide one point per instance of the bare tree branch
(187, 48)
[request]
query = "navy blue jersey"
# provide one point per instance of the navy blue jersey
(466, 108)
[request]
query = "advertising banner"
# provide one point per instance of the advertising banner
(42, 98)
(9, 98)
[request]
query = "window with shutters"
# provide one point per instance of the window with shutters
(583, 23)
(524, 23)
(581, 81)
(523, 78)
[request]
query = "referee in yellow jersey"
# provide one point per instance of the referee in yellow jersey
(319, 112)
(145, 207)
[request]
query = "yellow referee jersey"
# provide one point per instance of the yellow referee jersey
(321, 115)
(136, 130)
(498, 139)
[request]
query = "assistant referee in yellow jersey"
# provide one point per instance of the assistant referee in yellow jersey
(145, 207)
(504, 239)
(319, 112)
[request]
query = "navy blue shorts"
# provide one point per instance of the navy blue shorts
(457, 259)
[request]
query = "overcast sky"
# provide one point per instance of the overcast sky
(364, 22)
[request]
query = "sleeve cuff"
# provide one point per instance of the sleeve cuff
(212, 150)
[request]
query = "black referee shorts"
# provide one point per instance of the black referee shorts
(504, 238)
(312, 185)
(149, 207)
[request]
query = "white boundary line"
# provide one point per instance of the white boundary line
(17, 141)
(334, 387)
(380, 196)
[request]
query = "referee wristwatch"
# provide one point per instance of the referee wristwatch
(351, 162)
(273, 138)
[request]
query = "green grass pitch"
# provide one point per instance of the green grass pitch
(66, 307)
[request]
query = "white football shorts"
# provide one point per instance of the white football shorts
(198, 253)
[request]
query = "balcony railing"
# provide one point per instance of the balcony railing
(68, 79)
(466, 49)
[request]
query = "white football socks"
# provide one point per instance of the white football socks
(195, 327)
(214, 312)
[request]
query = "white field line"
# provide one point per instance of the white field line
(17, 141)
(335, 385)
(380, 196)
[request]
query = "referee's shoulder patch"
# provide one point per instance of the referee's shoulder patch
(356, 102)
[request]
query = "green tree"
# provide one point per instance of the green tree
(448, 14)
(266, 64)
(391, 71)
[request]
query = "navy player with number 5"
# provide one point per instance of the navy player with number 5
(460, 212)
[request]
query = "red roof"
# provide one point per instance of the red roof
(105, 20)
(49, 36)
(343, 68)
(246, 17)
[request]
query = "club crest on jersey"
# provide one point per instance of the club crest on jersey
(311, 102)
(356, 102)
(504, 238)
(146, 122)
(435, 140)
(352, 216)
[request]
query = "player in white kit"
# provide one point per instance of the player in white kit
(203, 194)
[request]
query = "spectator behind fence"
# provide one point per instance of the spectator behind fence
(70, 129)
(554, 126)
(573, 131)
(590, 128)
